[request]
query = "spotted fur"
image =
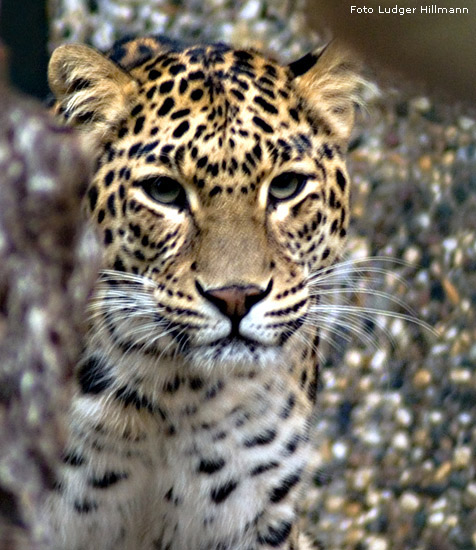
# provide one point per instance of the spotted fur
(220, 188)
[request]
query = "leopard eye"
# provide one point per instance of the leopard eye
(286, 186)
(164, 190)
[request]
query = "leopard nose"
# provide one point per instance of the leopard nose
(235, 301)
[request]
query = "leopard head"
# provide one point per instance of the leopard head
(220, 188)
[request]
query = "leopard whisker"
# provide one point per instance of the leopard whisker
(356, 275)
(363, 292)
(108, 275)
(164, 351)
(342, 331)
(359, 267)
(370, 312)
(307, 339)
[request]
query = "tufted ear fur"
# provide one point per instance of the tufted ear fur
(329, 81)
(91, 91)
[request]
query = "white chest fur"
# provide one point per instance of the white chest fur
(200, 464)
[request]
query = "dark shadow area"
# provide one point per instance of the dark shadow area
(24, 30)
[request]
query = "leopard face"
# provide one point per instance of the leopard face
(220, 188)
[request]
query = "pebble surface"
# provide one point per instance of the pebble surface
(396, 427)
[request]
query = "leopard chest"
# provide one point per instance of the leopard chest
(225, 454)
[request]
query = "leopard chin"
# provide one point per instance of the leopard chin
(232, 355)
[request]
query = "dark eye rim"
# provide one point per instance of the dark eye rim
(147, 183)
(302, 178)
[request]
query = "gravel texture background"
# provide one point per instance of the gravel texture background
(48, 264)
(396, 445)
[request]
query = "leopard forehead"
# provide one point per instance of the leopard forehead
(221, 119)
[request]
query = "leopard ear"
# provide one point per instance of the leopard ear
(329, 81)
(92, 92)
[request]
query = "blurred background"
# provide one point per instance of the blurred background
(395, 465)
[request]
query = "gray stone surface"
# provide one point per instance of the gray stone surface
(47, 265)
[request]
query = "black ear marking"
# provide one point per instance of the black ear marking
(306, 62)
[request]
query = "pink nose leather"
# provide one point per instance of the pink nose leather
(236, 300)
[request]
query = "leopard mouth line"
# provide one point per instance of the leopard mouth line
(238, 339)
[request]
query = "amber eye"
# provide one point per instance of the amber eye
(286, 186)
(164, 190)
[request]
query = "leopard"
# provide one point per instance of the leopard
(219, 189)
